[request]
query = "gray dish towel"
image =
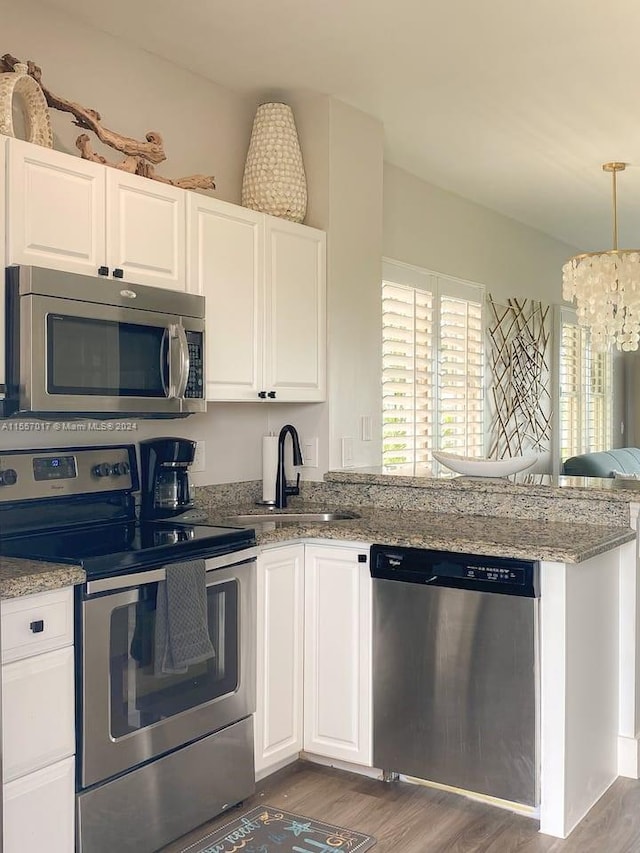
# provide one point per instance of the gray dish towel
(182, 630)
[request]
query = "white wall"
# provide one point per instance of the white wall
(206, 128)
(355, 268)
(440, 231)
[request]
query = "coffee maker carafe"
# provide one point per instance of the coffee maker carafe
(164, 464)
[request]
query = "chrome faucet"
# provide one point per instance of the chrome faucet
(282, 490)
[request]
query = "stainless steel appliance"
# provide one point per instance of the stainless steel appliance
(84, 346)
(164, 471)
(455, 670)
(157, 753)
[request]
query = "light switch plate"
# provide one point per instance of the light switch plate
(310, 452)
(347, 452)
(366, 428)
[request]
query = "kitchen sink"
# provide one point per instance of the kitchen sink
(277, 517)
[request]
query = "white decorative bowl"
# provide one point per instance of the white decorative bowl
(474, 466)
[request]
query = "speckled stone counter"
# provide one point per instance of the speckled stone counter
(24, 577)
(570, 499)
(499, 537)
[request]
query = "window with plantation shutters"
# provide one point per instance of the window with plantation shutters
(432, 368)
(585, 391)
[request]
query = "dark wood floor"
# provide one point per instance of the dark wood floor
(413, 819)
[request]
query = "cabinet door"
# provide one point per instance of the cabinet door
(295, 352)
(337, 654)
(278, 720)
(146, 230)
(225, 266)
(56, 207)
(37, 712)
(39, 811)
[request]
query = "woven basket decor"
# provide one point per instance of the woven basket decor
(274, 181)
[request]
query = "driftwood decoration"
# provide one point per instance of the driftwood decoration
(140, 156)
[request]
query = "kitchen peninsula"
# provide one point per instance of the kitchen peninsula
(584, 541)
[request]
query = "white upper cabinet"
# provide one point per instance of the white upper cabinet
(56, 209)
(71, 214)
(264, 282)
(146, 230)
(225, 266)
(295, 355)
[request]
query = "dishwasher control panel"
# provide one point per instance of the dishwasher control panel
(458, 571)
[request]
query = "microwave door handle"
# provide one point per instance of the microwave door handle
(176, 358)
(185, 363)
(164, 362)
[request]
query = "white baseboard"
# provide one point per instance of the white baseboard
(371, 772)
(629, 757)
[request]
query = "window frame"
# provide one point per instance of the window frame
(439, 286)
(568, 317)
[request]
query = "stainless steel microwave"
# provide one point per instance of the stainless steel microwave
(78, 345)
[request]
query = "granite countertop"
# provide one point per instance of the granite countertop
(24, 577)
(486, 535)
(495, 537)
(543, 485)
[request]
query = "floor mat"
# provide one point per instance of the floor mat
(268, 830)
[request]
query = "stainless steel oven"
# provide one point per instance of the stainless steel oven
(84, 346)
(140, 728)
(161, 747)
(130, 712)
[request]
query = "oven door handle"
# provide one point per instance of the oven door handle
(214, 564)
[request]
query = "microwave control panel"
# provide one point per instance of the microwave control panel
(195, 383)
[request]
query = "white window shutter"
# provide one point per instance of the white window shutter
(432, 368)
(585, 393)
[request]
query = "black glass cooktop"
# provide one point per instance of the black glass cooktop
(108, 549)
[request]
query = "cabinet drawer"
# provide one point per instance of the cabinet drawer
(51, 612)
(38, 811)
(37, 712)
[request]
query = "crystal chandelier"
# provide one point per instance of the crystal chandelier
(606, 288)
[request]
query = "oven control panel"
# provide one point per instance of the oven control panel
(38, 474)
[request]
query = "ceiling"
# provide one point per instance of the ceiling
(514, 104)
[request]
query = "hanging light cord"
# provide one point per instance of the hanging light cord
(615, 211)
(614, 168)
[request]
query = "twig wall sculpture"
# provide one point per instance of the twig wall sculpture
(519, 377)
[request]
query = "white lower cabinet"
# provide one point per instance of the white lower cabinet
(278, 720)
(38, 811)
(38, 734)
(337, 653)
(314, 655)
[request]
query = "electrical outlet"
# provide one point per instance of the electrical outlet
(197, 466)
(310, 452)
(347, 452)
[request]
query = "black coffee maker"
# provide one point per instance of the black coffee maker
(164, 464)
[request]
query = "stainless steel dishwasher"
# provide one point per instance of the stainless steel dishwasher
(455, 650)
